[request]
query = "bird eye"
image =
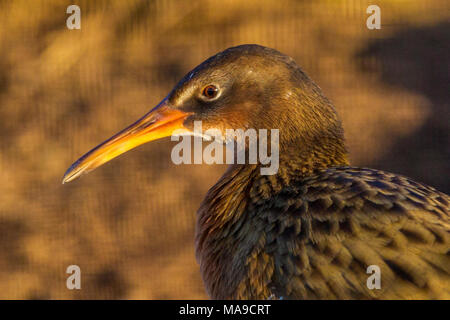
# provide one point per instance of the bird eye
(210, 91)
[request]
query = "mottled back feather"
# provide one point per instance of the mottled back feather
(259, 237)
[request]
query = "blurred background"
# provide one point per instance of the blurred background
(129, 225)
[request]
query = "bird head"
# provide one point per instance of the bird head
(243, 87)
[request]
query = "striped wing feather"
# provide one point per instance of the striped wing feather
(322, 233)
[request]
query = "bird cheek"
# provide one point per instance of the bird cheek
(189, 122)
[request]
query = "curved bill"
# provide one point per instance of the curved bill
(160, 122)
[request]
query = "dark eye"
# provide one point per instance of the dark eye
(210, 91)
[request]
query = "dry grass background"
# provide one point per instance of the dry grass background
(130, 224)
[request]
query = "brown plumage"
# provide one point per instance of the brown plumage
(313, 237)
(311, 230)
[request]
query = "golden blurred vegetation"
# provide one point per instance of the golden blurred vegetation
(130, 224)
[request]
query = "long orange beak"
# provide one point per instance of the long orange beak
(160, 122)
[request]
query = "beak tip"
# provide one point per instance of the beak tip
(71, 173)
(65, 178)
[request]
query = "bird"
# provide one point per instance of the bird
(318, 228)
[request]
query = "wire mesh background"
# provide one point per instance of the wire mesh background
(130, 224)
